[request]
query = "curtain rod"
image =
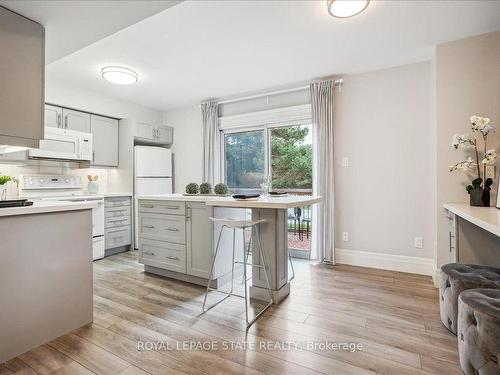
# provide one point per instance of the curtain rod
(337, 82)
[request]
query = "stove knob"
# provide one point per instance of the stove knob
(67, 180)
(41, 180)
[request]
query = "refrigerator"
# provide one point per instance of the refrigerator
(152, 174)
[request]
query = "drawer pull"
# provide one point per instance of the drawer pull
(149, 226)
(116, 220)
(172, 207)
(172, 229)
(148, 252)
(147, 206)
(172, 257)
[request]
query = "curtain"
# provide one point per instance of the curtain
(211, 142)
(322, 101)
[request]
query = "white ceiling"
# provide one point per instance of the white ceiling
(72, 25)
(201, 49)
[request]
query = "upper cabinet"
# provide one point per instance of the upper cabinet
(22, 71)
(53, 116)
(154, 134)
(76, 120)
(105, 141)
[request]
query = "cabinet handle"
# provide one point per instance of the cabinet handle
(149, 226)
(66, 122)
(93, 156)
(148, 252)
(172, 207)
(171, 257)
(147, 206)
(58, 120)
(172, 229)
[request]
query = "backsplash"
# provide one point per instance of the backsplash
(48, 167)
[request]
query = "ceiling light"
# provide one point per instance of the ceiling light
(346, 8)
(119, 75)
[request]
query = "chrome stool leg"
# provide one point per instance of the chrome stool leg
(291, 265)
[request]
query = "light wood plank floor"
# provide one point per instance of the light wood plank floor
(394, 316)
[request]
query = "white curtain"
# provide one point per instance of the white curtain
(322, 101)
(211, 142)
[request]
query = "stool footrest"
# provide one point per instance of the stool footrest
(249, 264)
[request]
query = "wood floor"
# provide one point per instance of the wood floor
(394, 316)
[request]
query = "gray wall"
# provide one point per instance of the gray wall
(383, 124)
(467, 83)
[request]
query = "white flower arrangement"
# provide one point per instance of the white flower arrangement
(483, 126)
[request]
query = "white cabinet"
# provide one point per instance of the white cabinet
(199, 231)
(105, 141)
(76, 120)
(53, 116)
(157, 134)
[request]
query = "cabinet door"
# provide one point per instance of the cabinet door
(104, 140)
(76, 120)
(199, 240)
(53, 116)
(145, 131)
(165, 134)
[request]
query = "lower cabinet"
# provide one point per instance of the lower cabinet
(117, 224)
(178, 240)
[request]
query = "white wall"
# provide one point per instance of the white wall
(188, 145)
(384, 125)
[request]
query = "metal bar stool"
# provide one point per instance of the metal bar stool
(239, 224)
(289, 259)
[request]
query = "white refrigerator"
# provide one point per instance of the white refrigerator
(152, 173)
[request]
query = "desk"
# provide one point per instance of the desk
(486, 218)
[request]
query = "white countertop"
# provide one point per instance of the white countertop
(487, 218)
(40, 207)
(262, 202)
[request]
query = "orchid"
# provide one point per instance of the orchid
(484, 126)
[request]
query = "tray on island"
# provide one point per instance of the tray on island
(15, 203)
(206, 195)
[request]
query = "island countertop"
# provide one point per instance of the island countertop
(261, 202)
(40, 207)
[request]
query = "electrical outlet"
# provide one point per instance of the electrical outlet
(345, 161)
(419, 243)
(345, 236)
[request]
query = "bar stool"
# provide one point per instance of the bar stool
(289, 259)
(239, 224)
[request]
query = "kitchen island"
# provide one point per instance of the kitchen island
(45, 273)
(176, 238)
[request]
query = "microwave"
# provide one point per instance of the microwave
(64, 144)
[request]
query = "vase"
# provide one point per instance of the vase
(480, 197)
(3, 192)
(93, 187)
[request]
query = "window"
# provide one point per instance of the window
(244, 158)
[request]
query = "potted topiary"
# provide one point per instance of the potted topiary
(205, 188)
(220, 189)
(3, 187)
(192, 188)
(480, 187)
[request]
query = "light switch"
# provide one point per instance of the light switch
(345, 161)
(419, 243)
(345, 236)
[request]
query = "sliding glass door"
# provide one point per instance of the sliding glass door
(284, 153)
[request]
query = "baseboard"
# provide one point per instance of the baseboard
(400, 263)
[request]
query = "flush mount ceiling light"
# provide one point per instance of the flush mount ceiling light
(119, 75)
(346, 8)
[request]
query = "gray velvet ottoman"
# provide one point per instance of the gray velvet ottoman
(455, 278)
(479, 331)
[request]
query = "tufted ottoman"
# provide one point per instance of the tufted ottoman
(479, 331)
(455, 278)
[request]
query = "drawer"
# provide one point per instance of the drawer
(115, 237)
(117, 201)
(113, 222)
(162, 207)
(171, 228)
(162, 254)
(123, 211)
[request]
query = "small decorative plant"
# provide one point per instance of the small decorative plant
(220, 189)
(479, 189)
(192, 188)
(4, 179)
(205, 188)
